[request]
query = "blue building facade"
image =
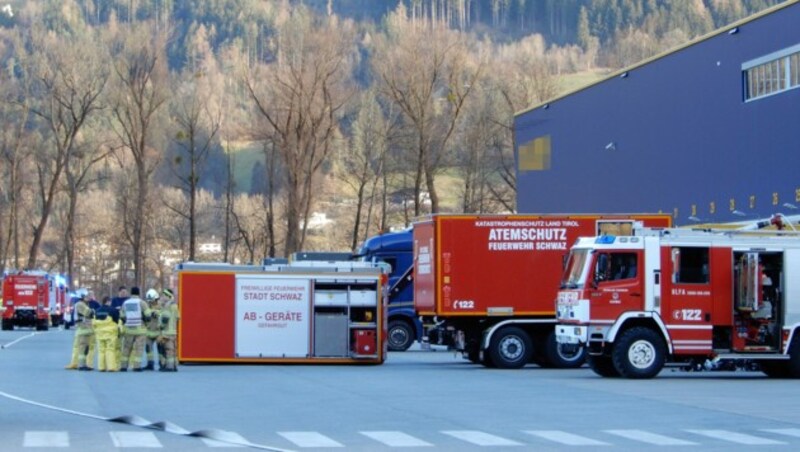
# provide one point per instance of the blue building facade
(709, 132)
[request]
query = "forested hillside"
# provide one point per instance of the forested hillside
(132, 131)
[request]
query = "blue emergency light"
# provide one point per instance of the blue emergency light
(605, 239)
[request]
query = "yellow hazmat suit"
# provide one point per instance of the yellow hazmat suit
(107, 332)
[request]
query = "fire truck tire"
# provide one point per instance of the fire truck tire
(603, 366)
(561, 356)
(41, 325)
(639, 353)
(511, 348)
(401, 335)
(775, 369)
(7, 325)
(793, 366)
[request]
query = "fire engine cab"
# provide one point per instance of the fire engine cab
(703, 299)
(27, 300)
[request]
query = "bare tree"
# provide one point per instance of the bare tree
(139, 93)
(68, 93)
(299, 98)
(364, 160)
(428, 72)
(80, 175)
(198, 120)
(521, 76)
(15, 143)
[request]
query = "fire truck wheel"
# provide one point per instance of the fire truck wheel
(638, 353)
(793, 365)
(401, 335)
(510, 348)
(7, 326)
(775, 369)
(603, 366)
(562, 356)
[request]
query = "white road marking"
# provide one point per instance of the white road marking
(651, 438)
(310, 439)
(784, 431)
(232, 437)
(396, 439)
(17, 340)
(566, 438)
(135, 439)
(46, 439)
(480, 438)
(736, 437)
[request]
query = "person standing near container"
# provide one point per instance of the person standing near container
(133, 314)
(153, 324)
(169, 331)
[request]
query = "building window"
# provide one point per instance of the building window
(774, 73)
(535, 154)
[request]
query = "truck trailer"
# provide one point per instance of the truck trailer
(299, 312)
(698, 299)
(488, 283)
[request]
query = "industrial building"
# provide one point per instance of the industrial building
(709, 132)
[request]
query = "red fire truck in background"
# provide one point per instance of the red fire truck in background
(487, 283)
(702, 299)
(32, 299)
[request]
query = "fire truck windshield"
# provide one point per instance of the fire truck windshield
(574, 273)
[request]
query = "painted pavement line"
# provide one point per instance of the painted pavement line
(45, 439)
(135, 439)
(736, 437)
(651, 438)
(310, 439)
(794, 432)
(566, 438)
(396, 439)
(480, 438)
(17, 340)
(139, 421)
(234, 440)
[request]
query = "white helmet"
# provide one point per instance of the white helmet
(151, 295)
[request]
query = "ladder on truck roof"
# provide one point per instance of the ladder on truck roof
(777, 225)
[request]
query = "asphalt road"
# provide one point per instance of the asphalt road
(419, 399)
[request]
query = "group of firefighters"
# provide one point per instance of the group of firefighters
(125, 332)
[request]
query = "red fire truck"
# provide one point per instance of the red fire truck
(302, 312)
(27, 300)
(488, 282)
(701, 299)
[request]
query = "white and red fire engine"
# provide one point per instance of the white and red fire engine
(33, 298)
(703, 299)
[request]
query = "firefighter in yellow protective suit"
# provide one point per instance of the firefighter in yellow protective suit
(153, 324)
(83, 345)
(169, 331)
(133, 314)
(106, 330)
